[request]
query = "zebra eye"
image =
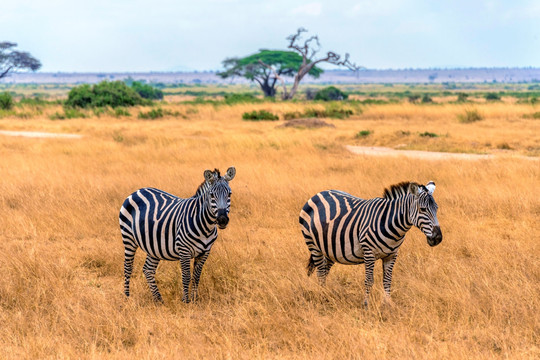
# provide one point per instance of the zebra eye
(423, 209)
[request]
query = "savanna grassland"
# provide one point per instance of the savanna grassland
(476, 295)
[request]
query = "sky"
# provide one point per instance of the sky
(178, 35)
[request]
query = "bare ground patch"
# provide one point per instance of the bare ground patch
(36, 134)
(385, 151)
(306, 123)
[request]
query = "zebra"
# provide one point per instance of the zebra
(341, 228)
(167, 227)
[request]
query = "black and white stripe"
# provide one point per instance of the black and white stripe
(341, 228)
(167, 227)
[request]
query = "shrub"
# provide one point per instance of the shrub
(310, 93)
(462, 97)
(80, 96)
(6, 101)
(156, 113)
(292, 115)
(69, 113)
(492, 96)
(330, 93)
(259, 115)
(121, 112)
(504, 146)
(147, 91)
(238, 98)
(426, 99)
(413, 98)
(363, 133)
(152, 114)
(105, 93)
(330, 112)
(428, 134)
(470, 116)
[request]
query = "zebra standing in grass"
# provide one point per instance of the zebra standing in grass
(167, 227)
(342, 228)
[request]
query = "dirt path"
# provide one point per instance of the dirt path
(384, 151)
(35, 134)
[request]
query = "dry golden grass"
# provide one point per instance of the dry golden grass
(476, 295)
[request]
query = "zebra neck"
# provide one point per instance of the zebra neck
(401, 215)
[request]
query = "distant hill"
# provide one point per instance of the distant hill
(476, 75)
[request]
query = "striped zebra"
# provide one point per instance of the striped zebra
(342, 228)
(167, 227)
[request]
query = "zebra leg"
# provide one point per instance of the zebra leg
(369, 261)
(388, 266)
(185, 265)
(197, 269)
(323, 270)
(149, 270)
(129, 256)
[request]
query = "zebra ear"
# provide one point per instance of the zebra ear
(209, 176)
(430, 187)
(230, 173)
(413, 189)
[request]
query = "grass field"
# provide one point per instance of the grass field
(476, 295)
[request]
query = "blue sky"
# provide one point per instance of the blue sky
(178, 35)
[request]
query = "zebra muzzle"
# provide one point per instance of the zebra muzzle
(436, 236)
(222, 219)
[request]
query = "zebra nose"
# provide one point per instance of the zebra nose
(436, 236)
(222, 219)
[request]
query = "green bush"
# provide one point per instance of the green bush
(330, 93)
(493, 97)
(147, 91)
(69, 113)
(470, 116)
(157, 113)
(121, 112)
(462, 97)
(105, 93)
(259, 115)
(426, 99)
(428, 134)
(413, 98)
(6, 101)
(333, 112)
(239, 98)
(363, 134)
(152, 114)
(292, 115)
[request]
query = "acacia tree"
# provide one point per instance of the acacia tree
(308, 49)
(11, 59)
(266, 67)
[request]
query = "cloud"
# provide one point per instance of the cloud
(311, 9)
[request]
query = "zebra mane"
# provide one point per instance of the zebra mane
(397, 190)
(205, 186)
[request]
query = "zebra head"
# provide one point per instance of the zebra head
(425, 209)
(220, 195)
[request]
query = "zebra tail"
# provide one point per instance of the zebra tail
(310, 266)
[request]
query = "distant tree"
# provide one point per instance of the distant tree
(308, 49)
(265, 68)
(11, 59)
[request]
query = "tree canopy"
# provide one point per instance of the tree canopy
(11, 59)
(266, 67)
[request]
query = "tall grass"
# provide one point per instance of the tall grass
(473, 296)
